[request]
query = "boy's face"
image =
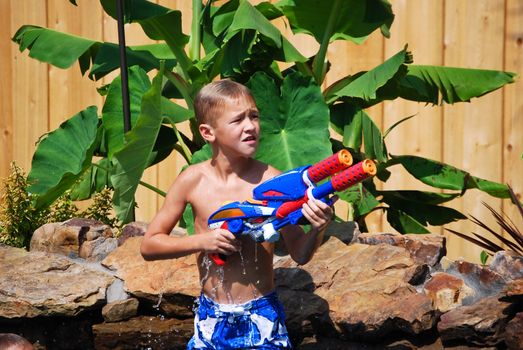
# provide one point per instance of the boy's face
(236, 127)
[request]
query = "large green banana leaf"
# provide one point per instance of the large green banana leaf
(362, 200)
(94, 179)
(433, 84)
(63, 50)
(62, 156)
(248, 17)
(158, 23)
(355, 125)
(396, 77)
(413, 203)
(346, 120)
(112, 111)
(131, 161)
(338, 19)
(146, 56)
(294, 121)
(441, 175)
(134, 10)
(366, 85)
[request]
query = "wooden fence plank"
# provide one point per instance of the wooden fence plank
(513, 109)
(29, 82)
(348, 58)
(169, 169)
(474, 29)
(422, 134)
(6, 88)
(65, 84)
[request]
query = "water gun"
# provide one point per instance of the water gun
(277, 202)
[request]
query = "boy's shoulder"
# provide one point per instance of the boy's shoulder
(194, 171)
(258, 172)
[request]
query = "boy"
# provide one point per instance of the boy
(238, 308)
(11, 341)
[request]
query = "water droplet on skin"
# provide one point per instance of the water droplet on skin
(206, 264)
(242, 261)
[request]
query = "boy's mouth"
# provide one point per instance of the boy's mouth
(249, 138)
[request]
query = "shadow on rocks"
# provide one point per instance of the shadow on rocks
(307, 315)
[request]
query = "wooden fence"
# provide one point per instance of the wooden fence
(484, 137)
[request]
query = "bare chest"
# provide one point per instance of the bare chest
(209, 196)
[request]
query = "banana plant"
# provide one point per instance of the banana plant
(239, 41)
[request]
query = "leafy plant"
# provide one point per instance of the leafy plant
(101, 209)
(505, 223)
(63, 209)
(237, 40)
(19, 217)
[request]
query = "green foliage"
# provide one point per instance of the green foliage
(515, 243)
(63, 209)
(483, 257)
(18, 217)
(240, 42)
(101, 209)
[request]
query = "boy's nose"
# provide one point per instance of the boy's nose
(250, 124)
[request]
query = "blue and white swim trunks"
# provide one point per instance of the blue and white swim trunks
(257, 324)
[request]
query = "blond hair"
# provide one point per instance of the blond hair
(214, 95)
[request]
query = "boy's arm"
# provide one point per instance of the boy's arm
(158, 244)
(301, 245)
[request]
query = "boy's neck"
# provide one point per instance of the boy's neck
(226, 166)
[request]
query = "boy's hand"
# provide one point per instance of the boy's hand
(222, 242)
(318, 213)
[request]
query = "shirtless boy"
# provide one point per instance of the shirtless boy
(238, 307)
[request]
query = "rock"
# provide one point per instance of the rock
(482, 323)
(97, 249)
(41, 284)
(116, 291)
(77, 237)
(144, 332)
(447, 291)
(347, 231)
(507, 264)
(175, 280)
(514, 333)
(481, 279)
(133, 229)
(120, 310)
(138, 229)
(424, 249)
(366, 288)
(514, 290)
(55, 238)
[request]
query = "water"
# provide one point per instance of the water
(157, 306)
(242, 261)
(206, 264)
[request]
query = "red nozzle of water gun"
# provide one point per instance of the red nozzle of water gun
(353, 175)
(329, 166)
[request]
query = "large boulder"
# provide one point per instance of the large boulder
(171, 284)
(85, 238)
(36, 284)
(362, 291)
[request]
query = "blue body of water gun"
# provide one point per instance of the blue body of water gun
(277, 202)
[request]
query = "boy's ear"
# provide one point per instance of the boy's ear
(207, 132)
